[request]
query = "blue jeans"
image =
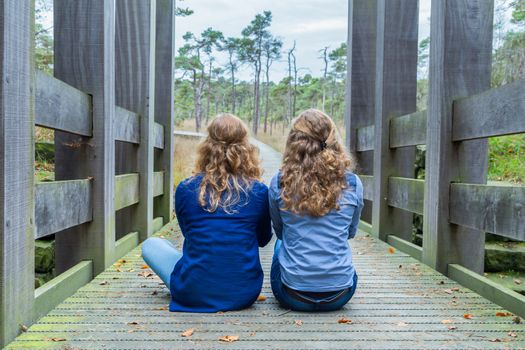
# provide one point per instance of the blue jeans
(161, 256)
(289, 302)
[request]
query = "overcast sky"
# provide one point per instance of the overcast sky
(314, 24)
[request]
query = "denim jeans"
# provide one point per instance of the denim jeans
(161, 256)
(289, 302)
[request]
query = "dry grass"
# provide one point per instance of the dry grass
(184, 159)
(44, 135)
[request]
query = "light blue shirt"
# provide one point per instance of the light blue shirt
(315, 255)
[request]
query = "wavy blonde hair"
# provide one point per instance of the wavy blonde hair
(314, 165)
(228, 162)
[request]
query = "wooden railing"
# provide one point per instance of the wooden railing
(457, 205)
(112, 86)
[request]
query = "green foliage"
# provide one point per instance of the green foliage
(507, 158)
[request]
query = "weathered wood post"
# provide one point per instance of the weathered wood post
(16, 167)
(135, 91)
(460, 61)
(164, 113)
(85, 59)
(360, 86)
(395, 95)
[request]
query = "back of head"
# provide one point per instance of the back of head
(314, 165)
(228, 163)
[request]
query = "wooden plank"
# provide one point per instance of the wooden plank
(365, 226)
(62, 204)
(494, 209)
(52, 293)
(126, 126)
(396, 82)
(410, 248)
(126, 244)
(460, 64)
(60, 106)
(365, 138)
(158, 136)
(494, 292)
(408, 130)
(360, 82)
(16, 166)
(84, 58)
(407, 194)
(158, 183)
(494, 112)
(135, 91)
(189, 134)
(126, 190)
(157, 224)
(368, 186)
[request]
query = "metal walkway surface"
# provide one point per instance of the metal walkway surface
(399, 304)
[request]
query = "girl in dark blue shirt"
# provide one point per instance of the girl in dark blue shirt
(224, 217)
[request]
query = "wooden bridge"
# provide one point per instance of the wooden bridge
(111, 101)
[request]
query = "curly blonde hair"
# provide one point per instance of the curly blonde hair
(314, 165)
(229, 164)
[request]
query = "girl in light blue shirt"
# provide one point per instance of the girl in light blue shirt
(315, 204)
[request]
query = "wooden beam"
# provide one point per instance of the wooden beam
(127, 190)
(368, 186)
(62, 204)
(408, 130)
(84, 59)
(494, 112)
(60, 106)
(460, 63)
(135, 91)
(365, 139)
(360, 82)
(395, 94)
(16, 166)
(410, 248)
(494, 209)
(52, 293)
(126, 244)
(407, 194)
(126, 126)
(158, 222)
(158, 136)
(158, 183)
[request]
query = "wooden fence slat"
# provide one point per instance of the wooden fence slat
(158, 136)
(365, 138)
(158, 183)
(460, 63)
(16, 166)
(60, 106)
(85, 59)
(360, 82)
(62, 204)
(135, 91)
(495, 209)
(368, 186)
(126, 190)
(396, 82)
(406, 194)
(494, 112)
(408, 130)
(125, 244)
(126, 126)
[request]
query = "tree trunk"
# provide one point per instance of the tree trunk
(266, 109)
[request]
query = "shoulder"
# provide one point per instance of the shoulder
(355, 186)
(275, 183)
(189, 184)
(259, 188)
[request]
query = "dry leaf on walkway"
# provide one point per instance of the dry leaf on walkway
(145, 274)
(261, 298)
(468, 316)
(229, 338)
(391, 250)
(133, 323)
(162, 308)
(517, 281)
(503, 314)
(103, 283)
(495, 340)
(516, 319)
(402, 324)
(451, 328)
(144, 267)
(447, 321)
(344, 320)
(121, 261)
(298, 322)
(55, 339)
(187, 333)
(154, 292)
(512, 334)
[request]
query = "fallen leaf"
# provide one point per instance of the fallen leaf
(448, 291)
(144, 267)
(344, 320)
(104, 283)
(447, 321)
(402, 324)
(468, 316)
(229, 338)
(441, 282)
(261, 298)
(298, 322)
(122, 261)
(118, 270)
(131, 270)
(400, 266)
(455, 289)
(154, 292)
(187, 333)
(143, 285)
(115, 278)
(451, 328)
(516, 319)
(133, 323)
(495, 340)
(503, 314)
(162, 308)
(55, 339)
(512, 334)
(145, 274)
(391, 250)
(517, 281)
(23, 328)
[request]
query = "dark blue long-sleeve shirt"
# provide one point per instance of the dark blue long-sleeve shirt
(220, 268)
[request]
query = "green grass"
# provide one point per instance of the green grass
(507, 158)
